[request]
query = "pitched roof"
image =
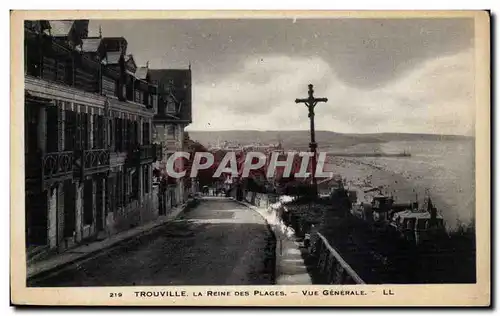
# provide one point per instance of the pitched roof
(178, 75)
(60, 27)
(91, 45)
(130, 57)
(113, 57)
(141, 72)
(178, 81)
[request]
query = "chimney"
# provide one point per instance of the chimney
(433, 212)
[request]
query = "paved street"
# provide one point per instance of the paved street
(220, 242)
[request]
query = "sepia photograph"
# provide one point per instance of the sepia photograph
(286, 159)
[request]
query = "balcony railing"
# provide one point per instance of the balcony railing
(57, 166)
(95, 161)
(144, 154)
(147, 153)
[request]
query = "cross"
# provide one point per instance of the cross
(311, 102)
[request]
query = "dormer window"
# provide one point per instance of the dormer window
(171, 107)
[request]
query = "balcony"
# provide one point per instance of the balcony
(146, 154)
(95, 161)
(56, 166)
(158, 152)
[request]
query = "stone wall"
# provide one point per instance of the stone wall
(134, 213)
(262, 200)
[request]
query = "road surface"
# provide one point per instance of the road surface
(219, 242)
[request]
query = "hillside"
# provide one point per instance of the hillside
(300, 139)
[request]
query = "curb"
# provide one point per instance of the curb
(274, 230)
(93, 254)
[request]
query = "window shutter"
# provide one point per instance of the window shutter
(125, 187)
(78, 125)
(52, 126)
(145, 133)
(68, 130)
(102, 132)
(85, 131)
(136, 132)
(116, 190)
(118, 134)
(95, 131)
(123, 134)
(127, 134)
(60, 129)
(110, 142)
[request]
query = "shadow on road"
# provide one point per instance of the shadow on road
(187, 251)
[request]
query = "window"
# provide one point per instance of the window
(88, 215)
(85, 130)
(31, 128)
(119, 189)
(134, 181)
(118, 134)
(69, 130)
(135, 129)
(146, 99)
(171, 108)
(154, 101)
(52, 127)
(101, 137)
(126, 136)
(138, 96)
(171, 131)
(110, 134)
(154, 132)
(108, 86)
(145, 133)
(146, 179)
(95, 131)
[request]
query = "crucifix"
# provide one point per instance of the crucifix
(311, 102)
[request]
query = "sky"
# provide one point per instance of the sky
(379, 75)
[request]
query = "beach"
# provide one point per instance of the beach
(444, 169)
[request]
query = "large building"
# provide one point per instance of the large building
(88, 136)
(174, 114)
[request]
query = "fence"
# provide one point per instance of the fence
(330, 266)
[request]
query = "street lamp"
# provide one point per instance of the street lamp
(311, 102)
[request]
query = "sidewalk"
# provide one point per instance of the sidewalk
(290, 266)
(81, 252)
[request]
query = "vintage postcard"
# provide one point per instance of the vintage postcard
(250, 158)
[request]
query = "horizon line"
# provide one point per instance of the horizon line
(307, 130)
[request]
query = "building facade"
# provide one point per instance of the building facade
(88, 137)
(173, 116)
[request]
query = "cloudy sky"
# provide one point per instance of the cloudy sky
(398, 75)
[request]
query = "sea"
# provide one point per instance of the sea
(445, 169)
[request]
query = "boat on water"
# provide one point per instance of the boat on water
(405, 154)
